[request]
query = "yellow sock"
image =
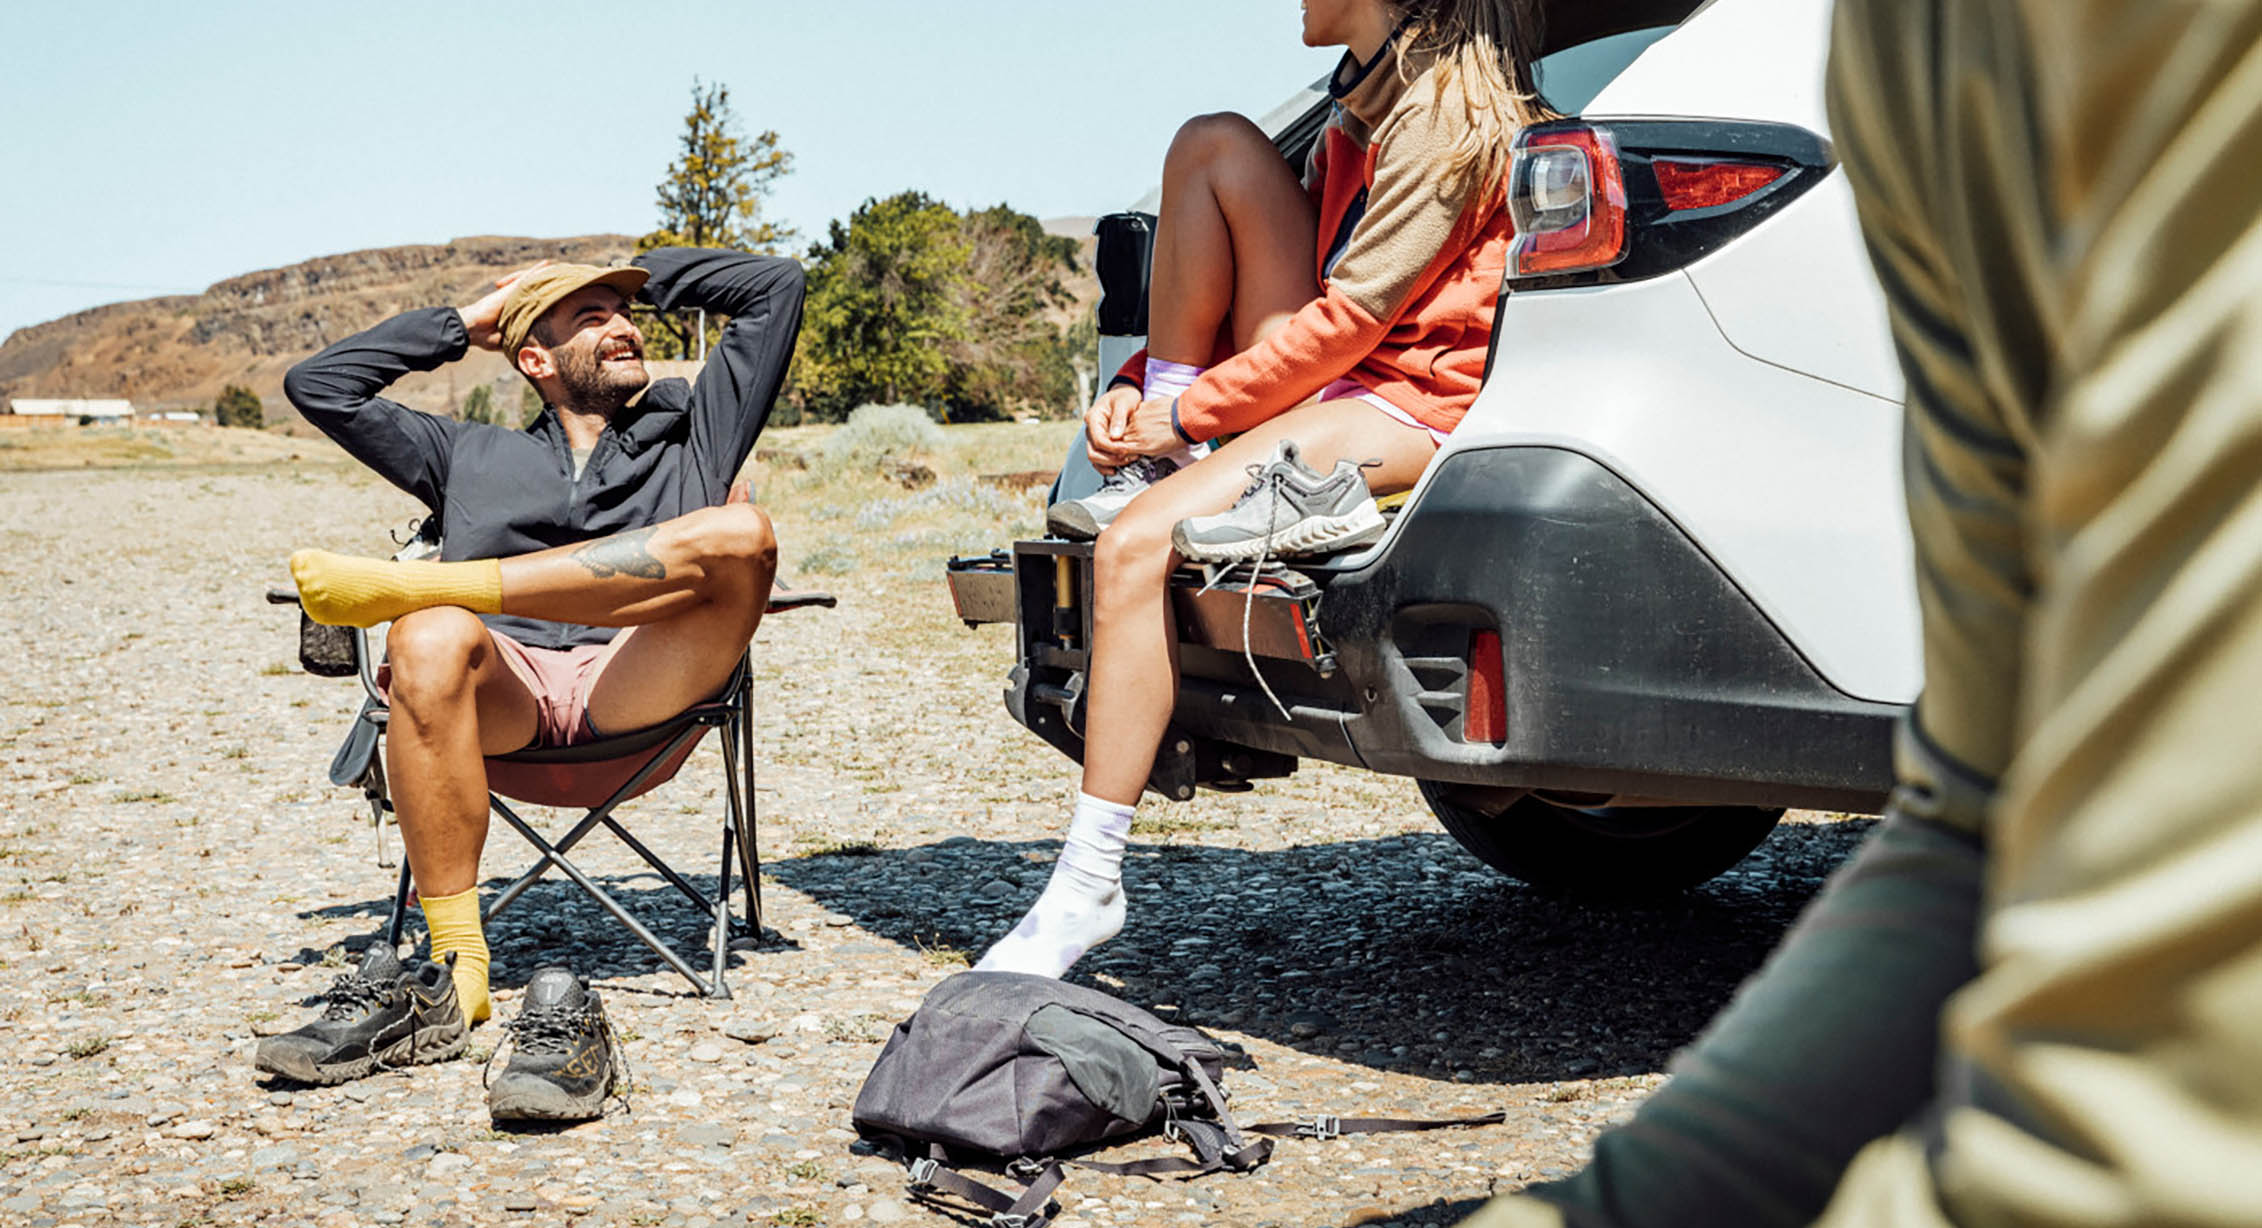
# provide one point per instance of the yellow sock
(342, 591)
(454, 921)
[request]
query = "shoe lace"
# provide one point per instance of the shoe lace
(1140, 470)
(349, 995)
(546, 1029)
(551, 1029)
(1269, 478)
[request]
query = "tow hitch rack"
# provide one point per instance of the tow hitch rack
(1045, 588)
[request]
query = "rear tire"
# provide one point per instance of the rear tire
(1609, 853)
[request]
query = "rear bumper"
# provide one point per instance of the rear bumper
(1632, 665)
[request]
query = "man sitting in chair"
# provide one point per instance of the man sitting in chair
(598, 573)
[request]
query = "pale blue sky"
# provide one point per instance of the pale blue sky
(158, 147)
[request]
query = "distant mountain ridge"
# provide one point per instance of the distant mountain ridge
(180, 350)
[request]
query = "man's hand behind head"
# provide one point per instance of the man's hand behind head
(483, 319)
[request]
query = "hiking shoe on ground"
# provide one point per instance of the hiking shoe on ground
(1287, 510)
(562, 1057)
(1080, 520)
(380, 1015)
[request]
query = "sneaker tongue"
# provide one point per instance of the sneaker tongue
(555, 987)
(378, 963)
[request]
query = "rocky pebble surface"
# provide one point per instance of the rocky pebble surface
(178, 879)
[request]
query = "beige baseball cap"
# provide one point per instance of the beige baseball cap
(545, 287)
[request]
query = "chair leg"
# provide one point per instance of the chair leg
(379, 796)
(400, 907)
(722, 921)
(601, 814)
(551, 856)
(749, 848)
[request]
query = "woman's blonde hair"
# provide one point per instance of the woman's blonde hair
(1486, 48)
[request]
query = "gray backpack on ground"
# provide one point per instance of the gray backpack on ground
(1027, 1069)
(1006, 1064)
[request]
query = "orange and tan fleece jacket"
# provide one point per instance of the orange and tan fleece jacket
(1407, 307)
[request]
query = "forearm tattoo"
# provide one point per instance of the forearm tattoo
(623, 554)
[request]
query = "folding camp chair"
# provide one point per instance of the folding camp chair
(336, 651)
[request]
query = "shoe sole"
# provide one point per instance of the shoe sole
(567, 1108)
(1312, 535)
(436, 1044)
(1072, 521)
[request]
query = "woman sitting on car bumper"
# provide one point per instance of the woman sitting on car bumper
(1337, 376)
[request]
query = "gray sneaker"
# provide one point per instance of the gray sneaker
(1080, 520)
(1288, 510)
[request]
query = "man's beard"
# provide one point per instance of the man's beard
(591, 386)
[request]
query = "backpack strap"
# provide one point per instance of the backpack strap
(1006, 1211)
(1325, 1126)
(1218, 1145)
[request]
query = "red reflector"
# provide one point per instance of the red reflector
(1485, 716)
(1702, 185)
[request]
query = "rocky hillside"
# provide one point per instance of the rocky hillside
(181, 350)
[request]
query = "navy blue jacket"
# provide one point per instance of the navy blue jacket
(500, 492)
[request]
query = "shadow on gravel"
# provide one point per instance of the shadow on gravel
(1402, 953)
(1436, 1213)
(555, 923)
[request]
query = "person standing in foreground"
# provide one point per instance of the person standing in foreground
(2033, 997)
(598, 573)
(1339, 320)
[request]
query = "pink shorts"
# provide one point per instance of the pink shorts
(560, 680)
(1348, 389)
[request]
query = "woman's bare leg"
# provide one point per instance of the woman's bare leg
(1134, 670)
(1235, 247)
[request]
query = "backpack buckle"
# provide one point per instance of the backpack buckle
(922, 1174)
(1005, 1219)
(1320, 1126)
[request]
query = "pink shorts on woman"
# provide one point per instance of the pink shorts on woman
(1348, 389)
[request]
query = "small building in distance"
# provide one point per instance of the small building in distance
(72, 409)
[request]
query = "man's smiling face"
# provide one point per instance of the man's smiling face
(598, 351)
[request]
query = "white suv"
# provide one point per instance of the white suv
(1657, 587)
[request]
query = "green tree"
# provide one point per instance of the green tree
(885, 301)
(1011, 357)
(239, 406)
(529, 406)
(712, 196)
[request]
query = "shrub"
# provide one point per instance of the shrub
(239, 406)
(876, 434)
(829, 559)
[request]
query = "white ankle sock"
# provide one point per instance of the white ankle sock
(1167, 379)
(1081, 907)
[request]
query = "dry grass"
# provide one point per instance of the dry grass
(121, 447)
(838, 519)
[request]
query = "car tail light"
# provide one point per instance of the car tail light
(1567, 196)
(1687, 184)
(1484, 717)
(1606, 201)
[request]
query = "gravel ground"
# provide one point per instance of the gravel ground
(177, 878)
